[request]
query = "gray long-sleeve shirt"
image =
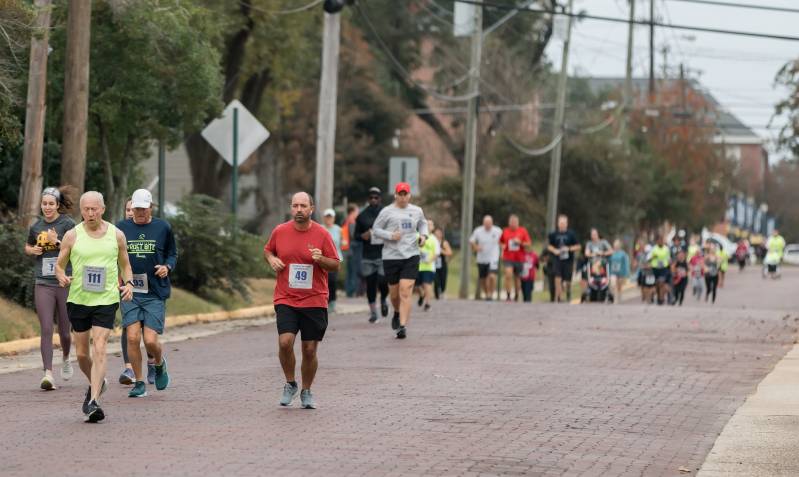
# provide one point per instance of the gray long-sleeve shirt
(408, 221)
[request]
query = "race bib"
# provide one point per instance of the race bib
(564, 255)
(513, 245)
(423, 255)
(48, 266)
(493, 265)
(649, 280)
(300, 276)
(140, 284)
(94, 279)
(439, 263)
(406, 226)
(526, 269)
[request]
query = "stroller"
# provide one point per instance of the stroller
(598, 289)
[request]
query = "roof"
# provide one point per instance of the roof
(729, 127)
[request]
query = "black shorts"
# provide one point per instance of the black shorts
(84, 317)
(661, 274)
(404, 269)
(483, 269)
(563, 269)
(311, 323)
(425, 277)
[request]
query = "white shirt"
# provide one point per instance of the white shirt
(488, 240)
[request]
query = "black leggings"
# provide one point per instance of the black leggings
(374, 281)
(711, 282)
(332, 286)
(679, 290)
(441, 281)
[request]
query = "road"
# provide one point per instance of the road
(477, 388)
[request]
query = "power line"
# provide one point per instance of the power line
(586, 16)
(282, 12)
(741, 5)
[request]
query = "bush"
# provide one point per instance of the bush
(210, 257)
(16, 281)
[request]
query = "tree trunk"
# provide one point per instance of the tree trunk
(31, 184)
(76, 94)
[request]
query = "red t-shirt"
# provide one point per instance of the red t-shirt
(530, 265)
(302, 283)
(513, 242)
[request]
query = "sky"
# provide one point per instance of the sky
(739, 71)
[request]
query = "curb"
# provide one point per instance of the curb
(30, 344)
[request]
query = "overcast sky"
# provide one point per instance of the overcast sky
(738, 71)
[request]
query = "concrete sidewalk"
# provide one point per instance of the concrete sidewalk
(762, 438)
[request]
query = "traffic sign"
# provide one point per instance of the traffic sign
(251, 133)
(404, 169)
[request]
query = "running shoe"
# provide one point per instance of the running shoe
(66, 370)
(395, 324)
(151, 373)
(161, 376)
(421, 300)
(103, 388)
(401, 333)
(127, 377)
(47, 383)
(373, 316)
(85, 407)
(306, 398)
(427, 307)
(95, 413)
(289, 392)
(139, 390)
(384, 309)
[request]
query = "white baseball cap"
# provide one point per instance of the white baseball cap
(142, 198)
(329, 213)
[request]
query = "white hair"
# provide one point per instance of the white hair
(92, 194)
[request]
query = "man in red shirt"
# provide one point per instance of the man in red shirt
(514, 240)
(301, 252)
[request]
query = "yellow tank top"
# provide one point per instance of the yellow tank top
(95, 276)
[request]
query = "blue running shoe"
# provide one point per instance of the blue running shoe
(306, 398)
(151, 373)
(161, 375)
(289, 391)
(139, 390)
(127, 377)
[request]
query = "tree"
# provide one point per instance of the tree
(154, 74)
(16, 26)
(788, 108)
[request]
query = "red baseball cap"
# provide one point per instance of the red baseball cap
(402, 187)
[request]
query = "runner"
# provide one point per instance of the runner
(697, 266)
(485, 242)
(403, 229)
(442, 266)
(724, 263)
(619, 269)
(515, 240)
(153, 255)
(528, 274)
(775, 248)
(712, 267)
(679, 273)
(352, 248)
(372, 258)
(428, 255)
(562, 245)
(741, 254)
(329, 218)
(98, 252)
(302, 253)
(128, 377)
(660, 260)
(44, 242)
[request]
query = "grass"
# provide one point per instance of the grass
(17, 322)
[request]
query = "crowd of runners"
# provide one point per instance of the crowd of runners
(86, 272)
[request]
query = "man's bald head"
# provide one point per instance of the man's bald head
(302, 207)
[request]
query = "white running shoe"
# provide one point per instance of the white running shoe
(47, 383)
(66, 370)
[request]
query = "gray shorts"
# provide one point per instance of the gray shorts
(149, 311)
(370, 267)
(518, 267)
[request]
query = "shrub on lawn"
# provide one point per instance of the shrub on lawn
(16, 279)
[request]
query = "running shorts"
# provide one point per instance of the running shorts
(661, 274)
(516, 266)
(564, 269)
(311, 323)
(426, 277)
(150, 311)
(483, 269)
(403, 269)
(84, 317)
(370, 267)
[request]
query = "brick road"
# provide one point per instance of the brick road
(477, 388)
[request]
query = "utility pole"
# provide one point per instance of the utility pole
(470, 155)
(651, 51)
(554, 167)
(76, 93)
(326, 123)
(31, 183)
(628, 78)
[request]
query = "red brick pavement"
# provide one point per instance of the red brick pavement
(477, 388)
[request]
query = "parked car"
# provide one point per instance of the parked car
(791, 255)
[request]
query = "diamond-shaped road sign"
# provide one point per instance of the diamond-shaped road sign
(219, 133)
